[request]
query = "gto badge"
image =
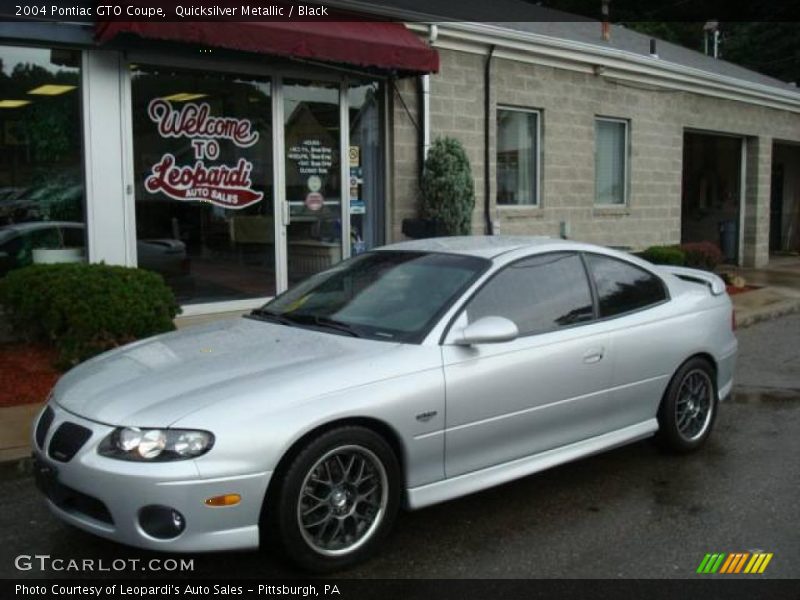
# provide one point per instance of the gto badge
(426, 416)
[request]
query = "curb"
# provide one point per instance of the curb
(15, 468)
(779, 309)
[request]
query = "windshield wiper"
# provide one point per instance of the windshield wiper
(292, 320)
(265, 315)
(325, 322)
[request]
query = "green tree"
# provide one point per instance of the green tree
(769, 48)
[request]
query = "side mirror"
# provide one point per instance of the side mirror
(487, 330)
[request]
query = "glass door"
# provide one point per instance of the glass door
(313, 176)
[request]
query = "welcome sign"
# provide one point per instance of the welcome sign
(228, 186)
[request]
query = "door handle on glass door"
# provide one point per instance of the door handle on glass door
(593, 355)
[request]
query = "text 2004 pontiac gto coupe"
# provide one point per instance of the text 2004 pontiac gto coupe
(408, 375)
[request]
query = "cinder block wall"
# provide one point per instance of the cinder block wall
(570, 101)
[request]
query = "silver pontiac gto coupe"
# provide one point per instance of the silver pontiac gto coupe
(406, 376)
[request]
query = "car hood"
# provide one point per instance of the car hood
(155, 382)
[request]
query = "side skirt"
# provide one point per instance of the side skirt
(447, 489)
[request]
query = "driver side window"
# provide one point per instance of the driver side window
(539, 294)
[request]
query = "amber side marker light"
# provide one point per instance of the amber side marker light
(225, 500)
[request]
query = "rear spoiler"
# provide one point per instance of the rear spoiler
(714, 282)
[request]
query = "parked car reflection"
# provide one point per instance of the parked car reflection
(21, 245)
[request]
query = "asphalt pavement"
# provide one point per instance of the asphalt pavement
(634, 512)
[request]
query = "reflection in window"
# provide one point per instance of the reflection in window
(366, 168)
(539, 294)
(383, 295)
(204, 198)
(517, 157)
(41, 180)
(622, 287)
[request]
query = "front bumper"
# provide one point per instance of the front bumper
(89, 482)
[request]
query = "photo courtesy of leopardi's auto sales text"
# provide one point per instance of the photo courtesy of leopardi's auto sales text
(399, 299)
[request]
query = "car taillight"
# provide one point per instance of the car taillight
(733, 319)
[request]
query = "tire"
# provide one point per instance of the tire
(689, 407)
(337, 500)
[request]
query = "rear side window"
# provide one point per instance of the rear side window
(539, 294)
(623, 287)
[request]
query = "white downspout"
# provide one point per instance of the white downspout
(426, 115)
(433, 34)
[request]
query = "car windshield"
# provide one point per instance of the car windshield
(384, 295)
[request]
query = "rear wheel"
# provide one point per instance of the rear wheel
(338, 499)
(689, 407)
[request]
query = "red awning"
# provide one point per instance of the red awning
(374, 44)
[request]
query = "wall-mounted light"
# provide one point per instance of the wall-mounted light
(51, 89)
(598, 69)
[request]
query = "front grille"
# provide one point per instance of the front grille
(71, 500)
(67, 440)
(44, 424)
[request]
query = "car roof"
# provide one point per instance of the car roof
(34, 225)
(483, 246)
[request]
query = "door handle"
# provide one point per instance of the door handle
(286, 213)
(593, 355)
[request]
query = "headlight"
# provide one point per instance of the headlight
(157, 445)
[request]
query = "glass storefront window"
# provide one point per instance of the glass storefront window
(366, 168)
(204, 182)
(41, 175)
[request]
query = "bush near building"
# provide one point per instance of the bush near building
(85, 309)
(696, 255)
(702, 255)
(448, 192)
(664, 255)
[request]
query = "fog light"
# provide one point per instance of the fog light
(161, 522)
(225, 500)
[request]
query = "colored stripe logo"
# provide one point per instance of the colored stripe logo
(735, 562)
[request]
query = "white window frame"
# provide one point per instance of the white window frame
(625, 164)
(536, 188)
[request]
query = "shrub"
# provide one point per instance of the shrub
(702, 255)
(664, 255)
(84, 309)
(448, 192)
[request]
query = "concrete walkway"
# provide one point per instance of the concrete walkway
(15, 430)
(779, 295)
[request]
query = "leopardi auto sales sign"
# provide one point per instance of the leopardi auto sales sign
(228, 186)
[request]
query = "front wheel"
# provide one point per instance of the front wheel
(689, 407)
(339, 498)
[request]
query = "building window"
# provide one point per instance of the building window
(41, 174)
(518, 157)
(202, 145)
(611, 161)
